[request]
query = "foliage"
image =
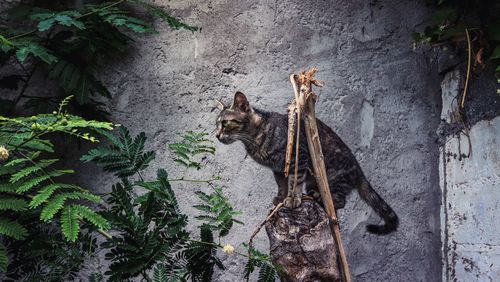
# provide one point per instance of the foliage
(124, 157)
(267, 272)
(219, 211)
(44, 255)
(453, 19)
(192, 144)
(31, 182)
(151, 227)
(70, 44)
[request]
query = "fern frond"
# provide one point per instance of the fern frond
(12, 229)
(267, 273)
(125, 157)
(219, 212)
(57, 202)
(69, 223)
(192, 144)
(44, 194)
(65, 18)
(12, 203)
(52, 207)
(160, 273)
(96, 277)
(31, 169)
(27, 47)
(77, 81)
(165, 16)
(31, 183)
(91, 216)
(7, 187)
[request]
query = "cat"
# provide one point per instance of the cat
(264, 135)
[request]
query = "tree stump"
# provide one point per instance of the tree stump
(302, 245)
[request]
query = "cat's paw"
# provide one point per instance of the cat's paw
(277, 200)
(292, 202)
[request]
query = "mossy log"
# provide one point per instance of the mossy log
(302, 245)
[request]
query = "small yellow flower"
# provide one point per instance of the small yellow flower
(228, 249)
(4, 153)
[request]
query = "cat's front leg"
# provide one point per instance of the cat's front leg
(282, 187)
(294, 197)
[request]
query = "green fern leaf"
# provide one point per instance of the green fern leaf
(30, 47)
(77, 81)
(66, 18)
(31, 183)
(30, 170)
(96, 277)
(7, 187)
(125, 157)
(171, 21)
(267, 273)
(91, 216)
(160, 273)
(44, 194)
(12, 203)
(52, 207)
(12, 229)
(69, 223)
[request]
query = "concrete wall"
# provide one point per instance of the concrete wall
(380, 97)
(470, 181)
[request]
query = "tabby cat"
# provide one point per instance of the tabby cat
(264, 135)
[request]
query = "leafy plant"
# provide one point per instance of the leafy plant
(466, 24)
(44, 255)
(151, 227)
(31, 183)
(70, 45)
(218, 210)
(192, 144)
(124, 156)
(267, 271)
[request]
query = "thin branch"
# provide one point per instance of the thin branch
(468, 68)
(193, 180)
(271, 214)
(79, 17)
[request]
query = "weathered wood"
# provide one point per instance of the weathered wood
(304, 82)
(302, 244)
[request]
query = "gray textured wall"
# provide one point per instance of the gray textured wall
(380, 97)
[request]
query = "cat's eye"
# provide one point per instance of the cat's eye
(230, 123)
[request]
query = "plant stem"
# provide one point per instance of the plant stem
(468, 68)
(193, 180)
(79, 17)
(210, 244)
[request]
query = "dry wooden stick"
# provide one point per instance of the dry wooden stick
(291, 132)
(305, 82)
(469, 48)
(273, 211)
(271, 214)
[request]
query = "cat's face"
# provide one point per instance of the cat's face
(238, 122)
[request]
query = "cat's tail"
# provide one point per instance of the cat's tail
(373, 199)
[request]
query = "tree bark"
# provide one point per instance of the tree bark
(302, 245)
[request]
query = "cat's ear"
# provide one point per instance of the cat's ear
(220, 105)
(240, 102)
